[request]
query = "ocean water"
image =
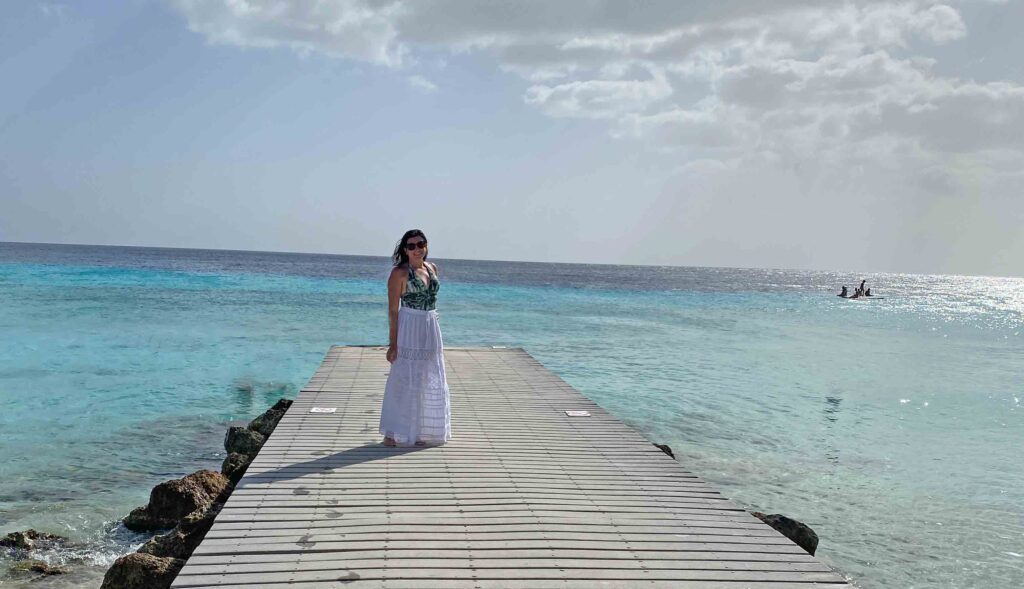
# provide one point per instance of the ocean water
(894, 427)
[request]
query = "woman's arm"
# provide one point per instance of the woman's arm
(396, 284)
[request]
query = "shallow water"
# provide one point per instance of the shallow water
(893, 427)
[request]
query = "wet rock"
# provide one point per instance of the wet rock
(801, 534)
(666, 449)
(38, 566)
(265, 424)
(242, 440)
(186, 536)
(139, 520)
(29, 539)
(171, 501)
(235, 466)
(139, 570)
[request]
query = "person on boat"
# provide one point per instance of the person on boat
(860, 289)
(416, 408)
(844, 293)
(867, 293)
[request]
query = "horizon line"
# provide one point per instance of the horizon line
(215, 249)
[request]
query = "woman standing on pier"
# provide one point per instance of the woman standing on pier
(416, 408)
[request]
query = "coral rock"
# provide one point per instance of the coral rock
(235, 465)
(186, 536)
(38, 566)
(265, 424)
(666, 449)
(142, 571)
(801, 534)
(171, 501)
(26, 540)
(242, 440)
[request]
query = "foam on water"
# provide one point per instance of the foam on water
(893, 427)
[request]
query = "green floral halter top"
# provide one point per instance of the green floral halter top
(419, 295)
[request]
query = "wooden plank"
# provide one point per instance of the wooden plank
(502, 563)
(523, 496)
(348, 581)
(514, 557)
(471, 522)
(521, 574)
(437, 530)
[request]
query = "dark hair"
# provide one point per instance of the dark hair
(401, 256)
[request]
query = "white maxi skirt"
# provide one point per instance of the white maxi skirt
(416, 406)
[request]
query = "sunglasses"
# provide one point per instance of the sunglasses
(413, 246)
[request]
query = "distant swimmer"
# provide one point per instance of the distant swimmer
(859, 292)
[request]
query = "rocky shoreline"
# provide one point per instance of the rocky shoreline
(187, 507)
(21, 544)
(799, 533)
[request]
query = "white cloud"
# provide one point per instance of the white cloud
(600, 99)
(53, 10)
(810, 85)
(420, 83)
(341, 28)
(939, 23)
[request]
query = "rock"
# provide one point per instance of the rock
(20, 540)
(243, 441)
(142, 571)
(235, 466)
(265, 424)
(171, 501)
(26, 540)
(666, 449)
(38, 566)
(801, 534)
(186, 536)
(139, 520)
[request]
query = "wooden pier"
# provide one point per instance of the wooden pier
(524, 496)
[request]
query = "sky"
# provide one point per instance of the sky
(857, 135)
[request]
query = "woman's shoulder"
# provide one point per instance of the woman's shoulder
(399, 270)
(433, 266)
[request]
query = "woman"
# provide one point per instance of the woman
(415, 409)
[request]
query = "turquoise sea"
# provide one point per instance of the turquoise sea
(894, 427)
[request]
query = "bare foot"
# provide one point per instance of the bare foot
(389, 442)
